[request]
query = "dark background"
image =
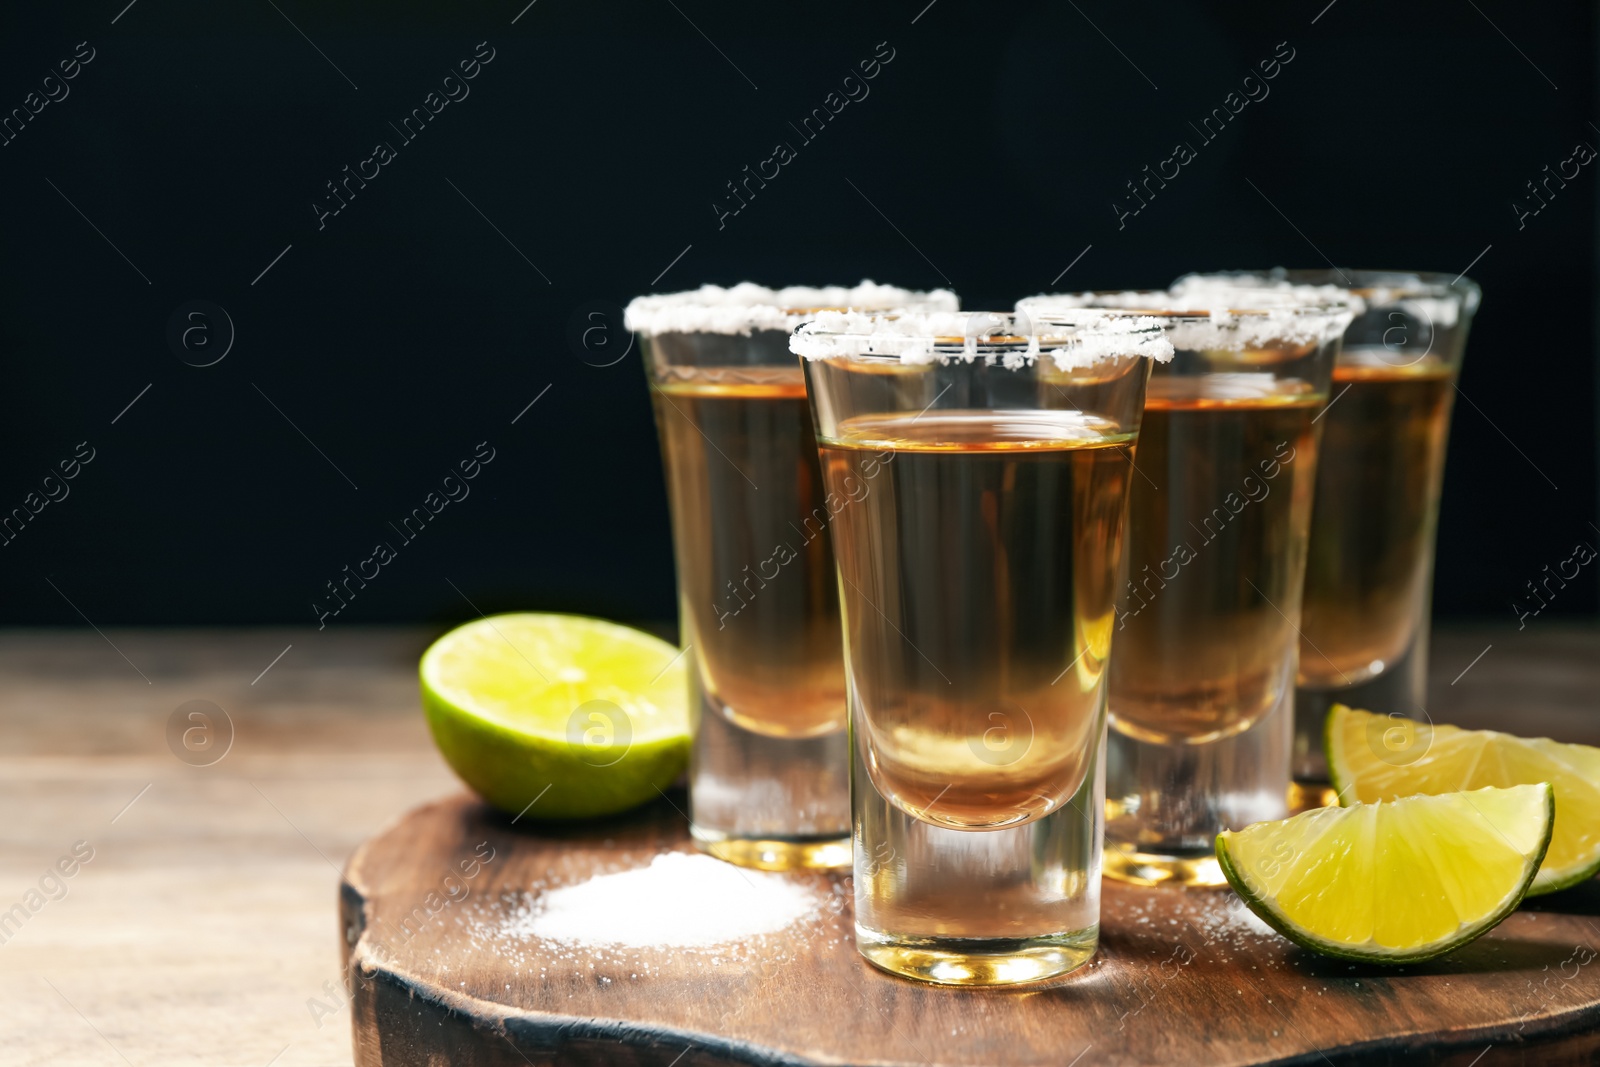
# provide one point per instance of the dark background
(379, 350)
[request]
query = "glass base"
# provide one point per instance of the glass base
(978, 908)
(1303, 796)
(1166, 803)
(967, 961)
(772, 803)
(771, 854)
(1198, 871)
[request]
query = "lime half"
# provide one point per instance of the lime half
(557, 716)
(1377, 757)
(1393, 882)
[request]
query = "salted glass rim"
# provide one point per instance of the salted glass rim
(1358, 280)
(748, 308)
(1010, 339)
(1213, 320)
(1198, 304)
(1442, 297)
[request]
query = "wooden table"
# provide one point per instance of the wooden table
(204, 929)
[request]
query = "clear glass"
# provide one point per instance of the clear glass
(1369, 576)
(758, 602)
(757, 599)
(1202, 684)
(978, 549)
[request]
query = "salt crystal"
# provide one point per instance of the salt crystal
(679, 901)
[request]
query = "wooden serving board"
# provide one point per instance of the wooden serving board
(1182, 977)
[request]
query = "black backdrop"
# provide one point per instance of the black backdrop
(584, 162)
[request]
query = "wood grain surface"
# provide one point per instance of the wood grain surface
(1181, 976)
(203, 931)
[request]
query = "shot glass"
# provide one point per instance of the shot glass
(1369, 573)
(758, 598)
(984, 463)
(1206, 631)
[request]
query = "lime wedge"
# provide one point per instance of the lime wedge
(557, 716)
(1376, 757)
(1397, 881)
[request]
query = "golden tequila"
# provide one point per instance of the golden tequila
(977, 572)
(1370, 566)
(757, 593)
(758, 605)
(1202, 681)
(1372, 527)
(755, 570)
(978, 558)
(1216, 549)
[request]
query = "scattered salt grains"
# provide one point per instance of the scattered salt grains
(678, 901)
